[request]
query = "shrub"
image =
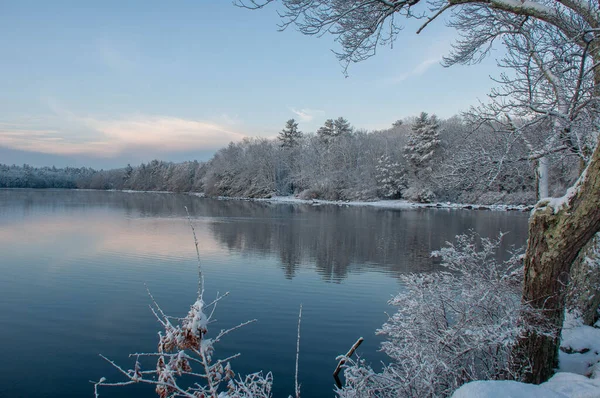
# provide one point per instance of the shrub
(450, 327)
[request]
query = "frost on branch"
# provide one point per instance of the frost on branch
(450, 327)
(185, 352)
(185, 366)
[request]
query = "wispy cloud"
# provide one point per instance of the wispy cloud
(19, 136)
(111, 137)
(418, 70)
(306, 115)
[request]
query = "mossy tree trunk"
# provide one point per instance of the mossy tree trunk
(556, 236)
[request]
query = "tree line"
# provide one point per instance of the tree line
(421, 159)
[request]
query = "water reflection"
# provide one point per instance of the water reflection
(334, 240)
(340, 240)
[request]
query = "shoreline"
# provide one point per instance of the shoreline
(382, 204)
(396, 204)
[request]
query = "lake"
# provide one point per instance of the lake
(75, 266)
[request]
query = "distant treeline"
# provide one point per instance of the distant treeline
(43, 177)
(153, 176)
(420, 159)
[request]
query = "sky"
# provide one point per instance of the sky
(103, 84)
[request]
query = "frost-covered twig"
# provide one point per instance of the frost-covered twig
(200, 275)
(184, 345)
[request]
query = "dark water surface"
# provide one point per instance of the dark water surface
(73, 265)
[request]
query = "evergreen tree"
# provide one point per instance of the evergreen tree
(391, 179)
(423, 141)
(326, 132)
(341, 126)
(128, 172)
(290, 135)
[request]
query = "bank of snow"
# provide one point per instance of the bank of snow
(561, 385)
(385, 204)
(578, 374)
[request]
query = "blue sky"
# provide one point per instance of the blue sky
(108, 83)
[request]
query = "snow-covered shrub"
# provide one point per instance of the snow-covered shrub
(185, 362)
(419, 195)
(308, 194)
(321, 191)
(450, 327)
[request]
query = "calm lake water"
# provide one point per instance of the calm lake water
(73, 265)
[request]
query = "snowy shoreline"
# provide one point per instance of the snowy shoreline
(383, 204)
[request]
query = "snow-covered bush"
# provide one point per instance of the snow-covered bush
(450, 327)
(185, 363)
(323, 190)
(419, 195)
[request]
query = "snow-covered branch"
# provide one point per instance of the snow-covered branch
(185, 366)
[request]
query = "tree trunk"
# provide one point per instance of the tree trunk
(543, 178)
(556, 235)
(583, 296)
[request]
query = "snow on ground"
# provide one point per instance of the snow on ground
(390, 204)
(578, 373)
(384, 204)
(580, 348)
(561, 385)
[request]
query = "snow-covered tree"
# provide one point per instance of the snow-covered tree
(341, 126)
(290, 135)
(332, 129)
(391, 178)
(423, 141)
(546, 90)
(327, 131)
(423, 144)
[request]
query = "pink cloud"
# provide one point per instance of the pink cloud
(111, 137)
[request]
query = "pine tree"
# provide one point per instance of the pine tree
(290, 135)
(128, 172)
(341, 126)
(326, 132)
(391, 179)
(423, 141)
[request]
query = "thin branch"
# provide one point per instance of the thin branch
(298, 354)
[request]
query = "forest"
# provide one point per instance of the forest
(420, 159)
